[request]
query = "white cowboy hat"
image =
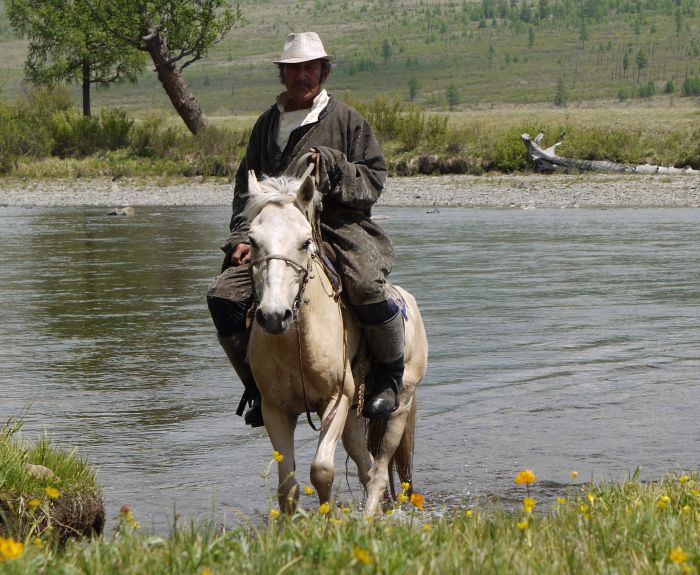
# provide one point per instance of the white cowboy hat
(302, 47)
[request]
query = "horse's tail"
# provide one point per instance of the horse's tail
(402, 459)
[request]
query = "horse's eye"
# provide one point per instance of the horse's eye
(306, 245)
(253, 243)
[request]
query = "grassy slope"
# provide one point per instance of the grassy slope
(443, 47)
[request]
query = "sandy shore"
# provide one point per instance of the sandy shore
(522, 191)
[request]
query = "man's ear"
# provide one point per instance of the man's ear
(253, 185)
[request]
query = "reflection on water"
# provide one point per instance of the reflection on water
(559, 340)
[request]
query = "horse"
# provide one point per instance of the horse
(306, 351)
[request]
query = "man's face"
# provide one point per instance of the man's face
(303, 80)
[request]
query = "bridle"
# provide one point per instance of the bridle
(299, 268)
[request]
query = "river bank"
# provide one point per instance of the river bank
(498, 191)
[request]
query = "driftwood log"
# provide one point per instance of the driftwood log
(547, 160)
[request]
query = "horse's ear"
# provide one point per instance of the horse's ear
(306, 192)
(253, 185)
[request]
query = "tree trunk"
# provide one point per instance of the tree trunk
(174, 84)
(86, 88)
(548, 161)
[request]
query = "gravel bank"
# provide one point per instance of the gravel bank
(528, 191)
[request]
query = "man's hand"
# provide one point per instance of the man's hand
(313, 158)
(240, 254)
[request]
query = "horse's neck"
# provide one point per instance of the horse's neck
(320, 311)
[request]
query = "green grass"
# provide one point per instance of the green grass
(625, 528)
(440, 42)
(73, 476)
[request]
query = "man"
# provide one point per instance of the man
(306, 119)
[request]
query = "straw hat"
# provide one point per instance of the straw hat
(302, 47)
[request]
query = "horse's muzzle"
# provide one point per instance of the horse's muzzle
(274, 322)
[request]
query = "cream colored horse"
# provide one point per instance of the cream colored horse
(302, 346)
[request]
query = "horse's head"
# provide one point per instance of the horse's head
(281, 244)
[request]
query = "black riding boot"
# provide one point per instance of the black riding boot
(385, 342)
(236, 348)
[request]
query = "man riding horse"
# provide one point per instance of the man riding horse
(308, 121)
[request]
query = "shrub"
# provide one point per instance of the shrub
(691, 86)
(647, 90)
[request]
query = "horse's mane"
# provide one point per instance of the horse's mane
(279, 191)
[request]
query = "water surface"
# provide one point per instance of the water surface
(559, 340)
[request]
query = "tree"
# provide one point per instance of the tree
(625, 63)
(531, 37)
(560, 96)
(65, 44)
(641, 60)
(386, 50)
(452, 96)
(413, 86)
(175, 34)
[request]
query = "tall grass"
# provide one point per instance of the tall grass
(626, 528)
(44, 128)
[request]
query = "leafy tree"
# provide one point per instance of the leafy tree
(452, 95)
(642, 61)
(670, 87)
(413, 86)
(175, 34)
(65, 44)
(561, 96)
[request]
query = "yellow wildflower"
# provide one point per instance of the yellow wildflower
(345, 509)
(561, 500)
(417, 500)
(324, 508)
(37, 542)
(10, 549)
(402, 497)
(526, 476)
(362, 555)
(389, 512)
(34, 503)
(662, 502)
(206, 571)
(590, 497)
(308, 490)
(468, 513)
(684, 478)
(52, 492)
(277, 456)
(529, 504)
(522, 525)
(274, 514)
(584, 508)
(405, 485)
(677, 555)
(574, 474)
(427, 526)
(335, 521)
(686, 509)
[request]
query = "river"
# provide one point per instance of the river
(560, 340)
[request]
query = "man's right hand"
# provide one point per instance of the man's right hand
(240, 254)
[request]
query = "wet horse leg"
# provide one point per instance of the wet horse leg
(355, 444)
(280, 427)
(379, 473)
(322, 467)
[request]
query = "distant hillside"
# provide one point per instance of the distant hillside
(481, 53)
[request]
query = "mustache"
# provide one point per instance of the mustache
(302, 84)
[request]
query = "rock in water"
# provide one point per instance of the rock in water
(126, 211)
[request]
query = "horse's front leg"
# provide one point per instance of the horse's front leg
(280, 427)
(322, 468)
